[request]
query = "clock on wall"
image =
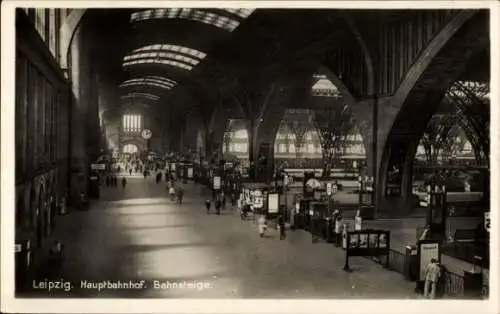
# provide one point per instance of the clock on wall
(146, 134)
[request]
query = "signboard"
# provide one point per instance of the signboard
(427, 250)
(329, 188)
(17, 248)
(190, 173)
(98, 166)
(228, 165)
(258, 200)
(273, 203)
(487, 221)
(313, 183)
(297, 207)
(217, 183)
(146, 134)
(366, 242)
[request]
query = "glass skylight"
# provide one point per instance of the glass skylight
(141, 95)
(159, 61)
(324, 87)
(198, 15)
(178, 56)
(156, 81)
(243, 13)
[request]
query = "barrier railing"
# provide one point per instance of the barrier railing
(454, 283)
(397, 261)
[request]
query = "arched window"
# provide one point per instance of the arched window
(132, 123)
(130, 149)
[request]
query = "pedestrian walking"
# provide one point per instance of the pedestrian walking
(171, 192)
(223, 199)
(218, 205)
(432, 275)
(180, 194)
(124, 182)
(207, 205)
(281, 225)
(338, 221)
(262, 225)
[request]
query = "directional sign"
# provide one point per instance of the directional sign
(146, 134)
(487, 221)
(98, 166)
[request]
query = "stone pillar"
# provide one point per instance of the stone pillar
(80, 87)
(263, 137)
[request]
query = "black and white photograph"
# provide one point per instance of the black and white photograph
(141, 141)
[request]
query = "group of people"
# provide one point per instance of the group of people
(219, 202)
(263, 226)
(112, 181)
(175, 192)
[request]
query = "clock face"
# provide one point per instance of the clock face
(146, 134)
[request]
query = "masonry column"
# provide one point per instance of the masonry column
(264, 132)
(215, 136)
(80, 79)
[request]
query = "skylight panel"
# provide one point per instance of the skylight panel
(242, 13)
(179, 56)
(194, 15)
(146, 83)
(141, 95)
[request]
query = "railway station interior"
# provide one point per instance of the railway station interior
(339, 151)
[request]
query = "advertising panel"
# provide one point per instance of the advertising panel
(217, 183)
(427, 251)
(273, 203)
(258, 200)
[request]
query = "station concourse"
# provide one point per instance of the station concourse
(129, 120)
